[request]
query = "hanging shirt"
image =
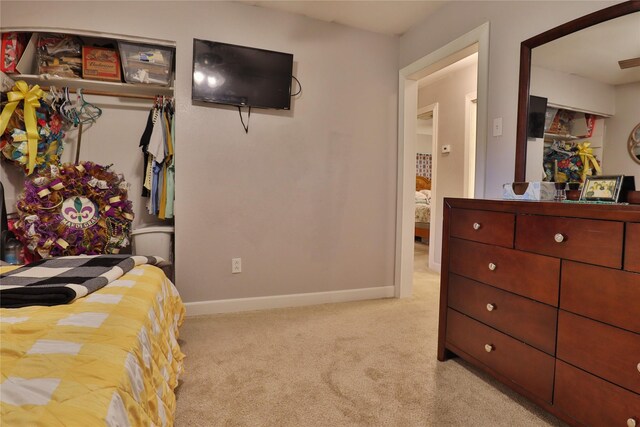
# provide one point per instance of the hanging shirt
(171, 171)
(148, 181)
(155, 182)
(144, 143)
(162, 189)
(148, 176)
(156, 142)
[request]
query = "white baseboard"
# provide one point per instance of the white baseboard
(281, 301)
(435, 266)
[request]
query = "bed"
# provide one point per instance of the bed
(109, 358)
(423, 208)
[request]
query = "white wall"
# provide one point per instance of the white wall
(307, 198)
(449, 93)
(425, 136)
(424, 143)
(617, 160)
(573, 92)
(510, 24)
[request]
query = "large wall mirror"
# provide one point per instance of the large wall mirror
(580, 82)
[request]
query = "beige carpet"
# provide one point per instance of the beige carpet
(369, 363)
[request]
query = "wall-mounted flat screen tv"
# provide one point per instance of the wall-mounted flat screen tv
(243, 76)
(537, 114)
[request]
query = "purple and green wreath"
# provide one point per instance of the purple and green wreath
(74, 209)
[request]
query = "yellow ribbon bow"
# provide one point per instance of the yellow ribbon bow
(588, 159)
(30, 96)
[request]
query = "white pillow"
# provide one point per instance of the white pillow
(421, 198)
(427, 195)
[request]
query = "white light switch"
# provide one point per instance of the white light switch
(497, 126)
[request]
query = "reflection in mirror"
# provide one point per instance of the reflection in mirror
(589, 72)
(585, 87)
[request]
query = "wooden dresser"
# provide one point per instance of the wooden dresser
(545, 297)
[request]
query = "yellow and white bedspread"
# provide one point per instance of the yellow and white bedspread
(111, 358)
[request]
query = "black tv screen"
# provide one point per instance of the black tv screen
(238, 75)
(537, 114)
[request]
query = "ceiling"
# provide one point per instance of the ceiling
(392, 18)
(594, 52)
(590, 53)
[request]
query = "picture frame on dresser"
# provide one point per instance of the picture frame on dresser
(602, 188)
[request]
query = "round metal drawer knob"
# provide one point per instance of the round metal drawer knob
(488, 348)
(558, 238)
(492, 266)
(491, 307)
(632, 422)
(638, 367)
(476, 226)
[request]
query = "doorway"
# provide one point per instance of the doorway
(475, 41)
(426, 143)
(453, 90)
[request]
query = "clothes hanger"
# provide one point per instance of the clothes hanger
(54, 99)
(68, 110)
(87, 112)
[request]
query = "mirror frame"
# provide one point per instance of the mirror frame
(526, 46)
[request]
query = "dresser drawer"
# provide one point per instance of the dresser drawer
(602, 294)
(496, 228)
(603, 350)
(632, 247)
(524, 365)
(593, 401)
(522, 318)
(533, 276)
(592, 241)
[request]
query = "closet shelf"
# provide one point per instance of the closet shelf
(563, 137)
(98, 85)
(28, 63)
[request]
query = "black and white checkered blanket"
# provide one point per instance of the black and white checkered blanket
(62, 280)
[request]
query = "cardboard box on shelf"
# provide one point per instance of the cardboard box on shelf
(100, 64)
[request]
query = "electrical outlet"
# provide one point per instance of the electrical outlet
(236, 265)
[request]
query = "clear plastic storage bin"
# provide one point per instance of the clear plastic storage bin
(146, 64)
(154, 240)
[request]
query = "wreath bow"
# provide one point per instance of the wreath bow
(30, 96)
(588, 159)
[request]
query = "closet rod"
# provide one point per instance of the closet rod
(114, 94)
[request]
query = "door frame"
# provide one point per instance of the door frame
(407, 116)
(470, 121)
(434, 168)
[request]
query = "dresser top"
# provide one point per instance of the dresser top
(612, 212)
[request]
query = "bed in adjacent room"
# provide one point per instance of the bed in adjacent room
(108, 358)
(423, 208)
